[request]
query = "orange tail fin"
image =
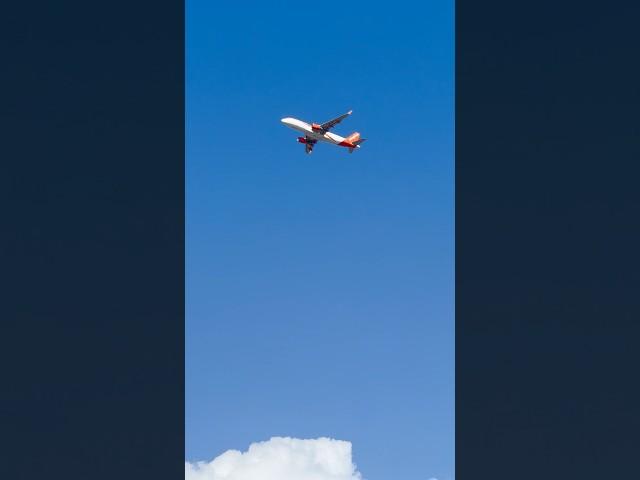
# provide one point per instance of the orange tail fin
(354, 137)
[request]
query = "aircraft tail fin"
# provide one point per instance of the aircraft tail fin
(353, 138)
(354, 141)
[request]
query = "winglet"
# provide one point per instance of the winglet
(349, 112)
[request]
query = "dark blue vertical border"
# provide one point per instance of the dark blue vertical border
(93, 240)
(547, 239)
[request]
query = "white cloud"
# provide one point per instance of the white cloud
(280, 459)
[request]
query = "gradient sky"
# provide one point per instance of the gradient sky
(320, 289)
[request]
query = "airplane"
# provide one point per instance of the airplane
(314, 132)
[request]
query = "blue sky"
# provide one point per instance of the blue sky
(320, 289)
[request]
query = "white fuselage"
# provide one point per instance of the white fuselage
(306, 129)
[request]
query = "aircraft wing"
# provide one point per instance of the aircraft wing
(332, 123)
(309, 144)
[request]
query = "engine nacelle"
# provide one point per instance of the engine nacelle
(302, 140)
(315, 127)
